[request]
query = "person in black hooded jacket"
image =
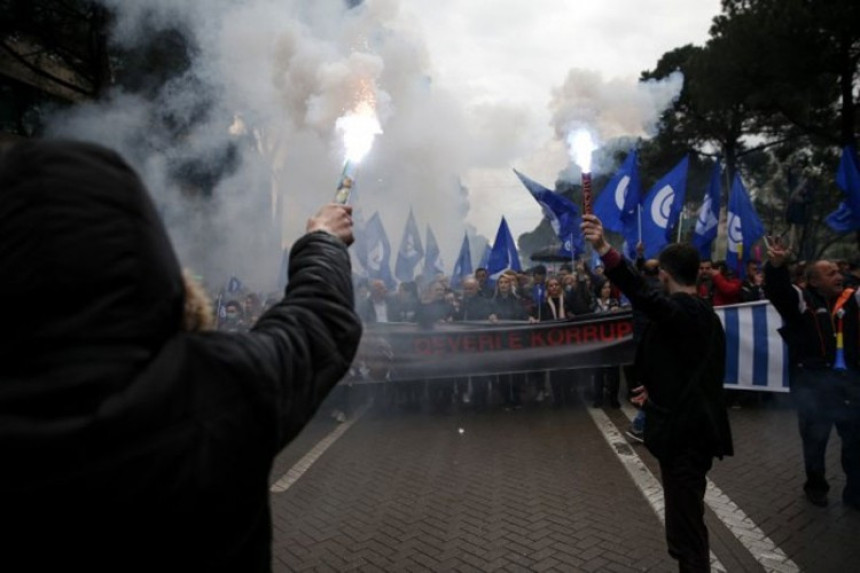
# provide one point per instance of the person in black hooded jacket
(129, 444)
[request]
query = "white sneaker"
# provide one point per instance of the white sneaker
(467, 398)
(540, 396)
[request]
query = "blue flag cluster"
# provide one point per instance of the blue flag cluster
(847, 216)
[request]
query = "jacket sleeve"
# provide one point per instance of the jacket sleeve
(727, 287)
(306, 343)
(778, 289)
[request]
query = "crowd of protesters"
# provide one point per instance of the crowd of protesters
(537, 294)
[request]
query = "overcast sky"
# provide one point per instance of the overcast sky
(516, 52)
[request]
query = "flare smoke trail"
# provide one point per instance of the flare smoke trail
(610, 109)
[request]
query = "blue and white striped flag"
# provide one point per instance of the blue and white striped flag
(756, 356)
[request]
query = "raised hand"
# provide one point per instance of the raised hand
(334, 219)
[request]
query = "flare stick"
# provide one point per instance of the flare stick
(586, 193)
(344, 186)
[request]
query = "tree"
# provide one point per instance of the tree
(59, 46)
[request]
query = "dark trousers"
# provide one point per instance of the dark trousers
(511, 388)
(606, 384)
(827, 398)
(684, 484)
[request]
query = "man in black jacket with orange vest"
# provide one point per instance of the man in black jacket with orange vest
(128, 443)
(680, 360)
(821, 330)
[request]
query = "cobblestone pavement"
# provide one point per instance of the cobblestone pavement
(537, 489)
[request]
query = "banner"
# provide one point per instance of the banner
(406, 352)
(755, 353)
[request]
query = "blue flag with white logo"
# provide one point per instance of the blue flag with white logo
(743, 227)
(463, 266)
(709, 217)
(562, 213)
(617, 205)
(847, 216)
(411, 251)
(504, 254)
(378, 251)
(433, 264)
(662, 209)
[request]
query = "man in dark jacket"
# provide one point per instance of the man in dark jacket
(681, 362)
(128, 444)
(825, 382)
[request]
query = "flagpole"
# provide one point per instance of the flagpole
(680, 224)
(639, 210)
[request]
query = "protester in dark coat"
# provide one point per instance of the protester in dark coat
(129, 444)
(825, 382)
(681, 362)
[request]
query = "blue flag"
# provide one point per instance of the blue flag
(662, 209)
(485, 258)
(378, 251)
(617, 205)
(504, 254)
(709, 217)
(743, 227)
(433, 258)
(411, 251)
(463, 266)
(847, 216)
(562, 213)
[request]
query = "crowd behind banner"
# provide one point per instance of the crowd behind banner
(536, 336)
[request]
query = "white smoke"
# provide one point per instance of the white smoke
(267, 80)
(613, 108)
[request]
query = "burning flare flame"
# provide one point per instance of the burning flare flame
(581, 146)
(358, 129)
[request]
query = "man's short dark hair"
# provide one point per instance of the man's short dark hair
(539, 270)
(651, 268)
(681, 262)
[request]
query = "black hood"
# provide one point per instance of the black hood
(86, 267)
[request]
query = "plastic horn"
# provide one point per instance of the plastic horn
(839, 363)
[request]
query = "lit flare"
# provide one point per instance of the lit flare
(358, 128)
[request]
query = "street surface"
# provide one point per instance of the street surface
(541, 489)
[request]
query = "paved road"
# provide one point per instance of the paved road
(539, 489)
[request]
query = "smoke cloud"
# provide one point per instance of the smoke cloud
(611, 109)
(240, 148)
